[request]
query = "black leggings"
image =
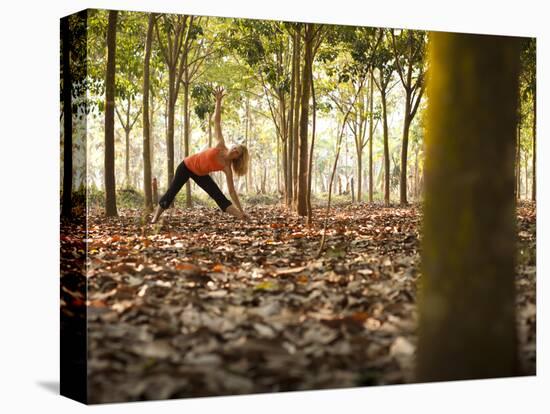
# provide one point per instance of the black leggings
(204, 181)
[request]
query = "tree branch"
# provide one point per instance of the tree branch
(161, 44)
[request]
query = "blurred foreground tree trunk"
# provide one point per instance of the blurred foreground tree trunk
(467, 316)
(110, 185)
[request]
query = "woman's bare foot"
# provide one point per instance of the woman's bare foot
(157, 214)
(234, 211)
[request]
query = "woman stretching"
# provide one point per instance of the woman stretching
(199, 165)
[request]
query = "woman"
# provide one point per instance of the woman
(198, 166)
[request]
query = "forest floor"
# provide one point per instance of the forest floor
(204, 305)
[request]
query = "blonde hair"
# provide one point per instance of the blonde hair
(240, 165)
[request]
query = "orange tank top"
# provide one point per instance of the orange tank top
(204, 162)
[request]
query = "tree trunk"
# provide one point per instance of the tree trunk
(155, 191)
(291, 118)
(246, 124)
(386, 150)
(110, 185)
(127, 160)
(295, 139)
(285, 168)
(171, 109)
(304, 120)
(371, 134)
(416, 174)
(151, 135)
(310, 166)
(278, 162)
(186, 129)
(404, 152)
(359, 175)
(251, 159)
(66, 38)
(517, 165)
(146, 123)
(358, 138)
(467, 325)
(526, 176)
(534, 180)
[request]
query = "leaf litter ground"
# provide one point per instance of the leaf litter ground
(203, 305)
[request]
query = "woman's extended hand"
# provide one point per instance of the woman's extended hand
(219, 92)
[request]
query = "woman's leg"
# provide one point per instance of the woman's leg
(209, 185)
(180, 178)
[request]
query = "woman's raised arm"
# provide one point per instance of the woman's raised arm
(219, 93)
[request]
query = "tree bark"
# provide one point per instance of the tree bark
(359, 175)
(127, 159)
(251, 159)
(110, 184)
(246, 125)
(174, 54)
(186, 129)
(517, 165)
(386, 150)
(310, 166)
(467, 324)
(155, 191)
(534, 180)
(304, 120)
(526, 176)
(291, 118)
(404, 151)
(171, 112)
(371, 134)
(296, 125)
(66, 38)
(146, 123)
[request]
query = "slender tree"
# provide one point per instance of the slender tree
(173, 42)
(408, 50)
(129, 67)
(110, 183)
(197, 50)
(467, 325)
(309, 38)
(334, 167)
(317, 42)
(297, 111)
(266, 48)
(127, 121)
(385, 64)
(291, 118)
(371, 131)
(146, 122)
(310, 167)
(534, 180)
